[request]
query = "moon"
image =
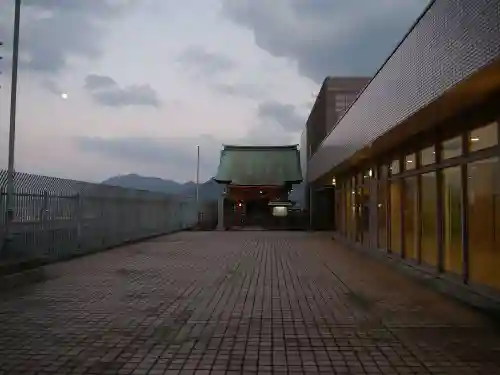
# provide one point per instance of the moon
(64, 95)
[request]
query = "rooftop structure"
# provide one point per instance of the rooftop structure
(259, 166)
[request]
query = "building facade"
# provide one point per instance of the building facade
(335, 96)
(341, 94)
(415, 161)
(257, 180)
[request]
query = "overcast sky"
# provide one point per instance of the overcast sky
(148, 80)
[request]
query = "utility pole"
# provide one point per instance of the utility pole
(1, 57)
(3, 218)
(198, 185)
(12, 124)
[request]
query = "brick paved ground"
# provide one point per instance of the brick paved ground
(238, 303)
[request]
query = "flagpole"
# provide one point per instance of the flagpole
(198, 184)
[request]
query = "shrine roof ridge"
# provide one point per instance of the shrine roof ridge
(260, 147)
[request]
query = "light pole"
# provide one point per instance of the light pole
(12, 124)
(198, 185)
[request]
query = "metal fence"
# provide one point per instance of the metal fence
(57, 218)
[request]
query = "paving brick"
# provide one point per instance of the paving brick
(242, 303)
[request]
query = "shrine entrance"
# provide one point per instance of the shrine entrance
(248, 206)
(257, 182)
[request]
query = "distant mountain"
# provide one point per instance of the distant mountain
(135, 181)
(209, 190)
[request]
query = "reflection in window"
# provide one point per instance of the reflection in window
(364, 211)
(484, 222)
(367, 175)
(410, 218)
(452, 220)
(452, 148)
(382, 206)
(394, 168)
(359, 214)
(410, 162)
(428, 216)
(428, 156)
(383, 172)
(395, 216)
(484, 137)
(353, 209)
(348, 200)
(382, 214)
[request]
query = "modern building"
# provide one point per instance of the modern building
(334, 98)
(257, 180)
(415, 161)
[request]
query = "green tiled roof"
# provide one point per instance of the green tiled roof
(259, 165)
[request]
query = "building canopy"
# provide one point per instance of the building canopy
(259, 165)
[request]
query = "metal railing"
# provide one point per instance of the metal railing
(58, 218)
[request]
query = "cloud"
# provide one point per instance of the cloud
(105, 91)
(54, 31)
(177, 152)
(242, 90)
(283, 114)
(327, 37)
(96, 82)
(137, 95)
(204, 62)
(51, 86)
(175, 156)
(210, 65)
(268, 135)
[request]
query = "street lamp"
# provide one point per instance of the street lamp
(12, 125)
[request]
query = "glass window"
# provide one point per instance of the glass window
(484, 137)
(359, 196)
(410, 162)
(484, 222)
(338, 210)
(343, 212)
(428, 156)
(395, 169)
(428, 217)
(395, 216)
(452, 148)
(354, 211)
(383, 172)
(348, 200)
(367, 175)
(340, 100)
(364, 211)
(410, 218)
(382, 214)
(452, 219)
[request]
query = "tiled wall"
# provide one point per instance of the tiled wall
(451, 41)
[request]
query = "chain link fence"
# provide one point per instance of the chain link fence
(57, 218)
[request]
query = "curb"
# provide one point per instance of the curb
(460, 293)
(9, 282)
